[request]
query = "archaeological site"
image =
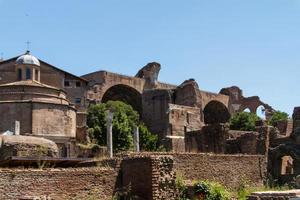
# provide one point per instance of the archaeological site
(44, 137)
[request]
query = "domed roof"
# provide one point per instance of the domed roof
(28, 59)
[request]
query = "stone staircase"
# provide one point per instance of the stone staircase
(270, 195)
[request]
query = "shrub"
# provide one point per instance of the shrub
(243, 121)
(124, 120)
(278, 116)
(211, 190)
(181, 187)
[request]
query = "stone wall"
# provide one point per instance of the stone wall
(53, 120)
(184, 119)
(155, 111)
(246, 142)
(267, 195)
(207, 97)
(296, 118)
(11, 112)
(230, 170)
(144, 176)
(70, 183)
(150, 177)
(138, 180)
(217, 138)
(211, 138)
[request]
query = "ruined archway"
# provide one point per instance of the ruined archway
(125, 94)
(284, 162)
(261, 112)
(216, 112)
(287, 166)
(247, 110)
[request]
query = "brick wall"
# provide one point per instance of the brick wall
(11, 112)
(230, 170)
(211, 138)
(144, 176)
(75, 183)
(150, 177)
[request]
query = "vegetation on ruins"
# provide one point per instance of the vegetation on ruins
(212, 190)
(124, 120)
(278, 116)
(201, 190)
(243, 121)
(181, 187)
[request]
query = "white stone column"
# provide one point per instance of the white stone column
(39, 75)
(33, 74)
(17, 128)
(136, 139)
(110, 116)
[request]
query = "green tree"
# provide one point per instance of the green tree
(124, 121)
(278, 116)
(243, 121)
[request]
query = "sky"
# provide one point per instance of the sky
(254, 44)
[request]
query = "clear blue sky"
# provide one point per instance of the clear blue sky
(254, 44)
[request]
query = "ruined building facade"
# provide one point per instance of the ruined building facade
(40, 100)
(49, 102)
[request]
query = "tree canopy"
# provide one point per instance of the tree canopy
(243, 121)
(278, 116)
(124, 120)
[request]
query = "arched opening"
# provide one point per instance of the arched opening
(247, 110)
(261, 112)
(287, 165)
(216, 112)
(125, 94)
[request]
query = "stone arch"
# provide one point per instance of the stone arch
(275, 162)
(125, 94)
(261, 111)
(247, 110)
(287, 166)
(215, 112)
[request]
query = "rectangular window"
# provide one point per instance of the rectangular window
(78, 100)
(187, 118)
(28, 76)
(36, 75)
(67, 83)
(19, 74)
(78, 84)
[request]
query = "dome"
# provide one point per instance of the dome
(28, 59)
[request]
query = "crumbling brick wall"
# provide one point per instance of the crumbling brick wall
(230, 170)
(70, 183)
(150, 177)
(211, 138)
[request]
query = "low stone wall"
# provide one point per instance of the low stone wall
(69, 183)
(230, 170)
(146, 175)
(150, 177)
(269, 195)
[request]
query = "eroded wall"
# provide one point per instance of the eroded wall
(11, 112)
(230, 170)
(70, 183)
(53, 120)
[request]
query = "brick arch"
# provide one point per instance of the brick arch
(216, 112)
(124, 93)
(275, 156)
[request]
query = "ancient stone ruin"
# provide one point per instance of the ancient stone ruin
(43, 118)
